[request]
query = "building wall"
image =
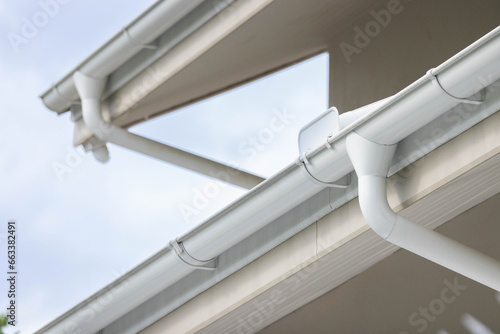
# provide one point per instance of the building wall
(396, 42)
(407, 294)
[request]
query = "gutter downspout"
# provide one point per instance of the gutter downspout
(91, 90)
(371, 162)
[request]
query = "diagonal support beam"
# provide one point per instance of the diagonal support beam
(90, 91)
(184, 159)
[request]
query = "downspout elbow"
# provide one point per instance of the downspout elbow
(90, 91)
(374, 206)
(371, 162)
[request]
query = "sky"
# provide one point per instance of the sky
(80, 230)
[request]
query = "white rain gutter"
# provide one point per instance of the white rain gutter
(135, 37)
(388, 123)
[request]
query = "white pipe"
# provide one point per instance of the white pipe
(184, 159)
(90, 91)
(157, 19)
(287, 189)
(372, 162)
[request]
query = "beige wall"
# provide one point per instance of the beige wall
(390, 295)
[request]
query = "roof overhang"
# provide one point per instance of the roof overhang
(142, 33)
(147, 83)
(189, 64)
(392, 121)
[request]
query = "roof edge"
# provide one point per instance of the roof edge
(144, 29)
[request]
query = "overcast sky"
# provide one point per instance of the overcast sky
(80, 230)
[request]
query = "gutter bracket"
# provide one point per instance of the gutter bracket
(341, 183)
(313, 135)
(187, 259)
(434, 79)
(144, 46)
(327, 143)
